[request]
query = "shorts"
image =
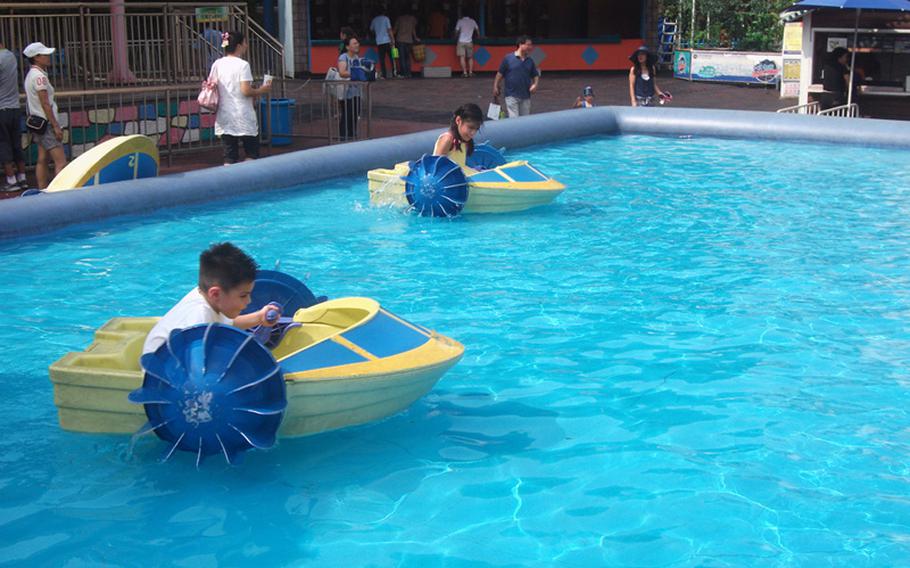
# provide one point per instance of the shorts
(644, 101)
(232, 147)
(516, 107)
(464, 49)
(47, 140)
(10, 136)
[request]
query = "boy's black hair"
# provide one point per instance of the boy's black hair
(838, 52)
(234, 39)
(469, 112)
(226, 266)
(522, 39)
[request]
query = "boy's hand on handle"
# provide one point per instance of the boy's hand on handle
(269, 314)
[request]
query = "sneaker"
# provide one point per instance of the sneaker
(23, 184)
(10, 187)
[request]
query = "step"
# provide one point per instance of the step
(437, 72)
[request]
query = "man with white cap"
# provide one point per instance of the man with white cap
(42, 120)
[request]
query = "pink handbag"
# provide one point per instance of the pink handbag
(208, 95)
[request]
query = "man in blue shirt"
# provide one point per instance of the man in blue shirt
(520, 75)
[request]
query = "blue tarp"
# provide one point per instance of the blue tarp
(891, 5)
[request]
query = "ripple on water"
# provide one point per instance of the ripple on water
(697, 355)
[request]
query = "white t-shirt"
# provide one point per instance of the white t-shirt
(236, 115)
(193, 309)
(380, 27)
(465, 29)
(35, 81)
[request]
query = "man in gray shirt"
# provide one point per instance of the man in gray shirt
(10, 119)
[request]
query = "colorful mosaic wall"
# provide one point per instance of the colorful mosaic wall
(550, 56)
(82, 130)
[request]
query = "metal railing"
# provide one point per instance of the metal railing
(845, 111)
(163, 42)
(170, 115)
(167, 114)
(348, 109)
(809, 108)
(848, 111)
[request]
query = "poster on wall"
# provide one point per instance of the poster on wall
(835, 42)
(793, 37)
(734, 67)
(792, 70)
(682, 63)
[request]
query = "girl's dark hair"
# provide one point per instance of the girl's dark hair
(348, 31)
(234, 39)
(347, 40)
(648, 63)
(469, 112)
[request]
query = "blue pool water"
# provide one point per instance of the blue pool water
(697, 356)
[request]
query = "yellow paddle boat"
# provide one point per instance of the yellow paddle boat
(337, 363)
(118, 159)
(443, 186)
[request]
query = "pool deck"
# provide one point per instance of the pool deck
(401, 106)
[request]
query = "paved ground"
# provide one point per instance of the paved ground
(410, 105)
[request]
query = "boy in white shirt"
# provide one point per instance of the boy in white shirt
(226, 277)
(466, 28)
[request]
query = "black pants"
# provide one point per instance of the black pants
(404, 59)
(10, 136)
(831, 100)
(232, 147)
(385, 50)
(349, 112)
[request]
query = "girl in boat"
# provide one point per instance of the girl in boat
(458, 141)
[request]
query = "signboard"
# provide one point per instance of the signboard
(790, 77)
(682, 64)
(728, 66)
(793, 37)
(212, 14)
(792, 69)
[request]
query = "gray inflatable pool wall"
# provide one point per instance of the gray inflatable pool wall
(46, 212)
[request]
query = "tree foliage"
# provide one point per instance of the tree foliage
(747, 25)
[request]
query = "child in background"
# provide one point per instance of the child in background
(586, 100)
(458, 141)
(226, 276)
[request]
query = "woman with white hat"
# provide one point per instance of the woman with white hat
(42, 120)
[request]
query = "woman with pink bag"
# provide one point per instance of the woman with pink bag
(235, 119)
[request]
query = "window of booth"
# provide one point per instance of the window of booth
(882, 57)
(502, 19)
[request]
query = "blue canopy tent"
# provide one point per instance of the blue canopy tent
(859, 6)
